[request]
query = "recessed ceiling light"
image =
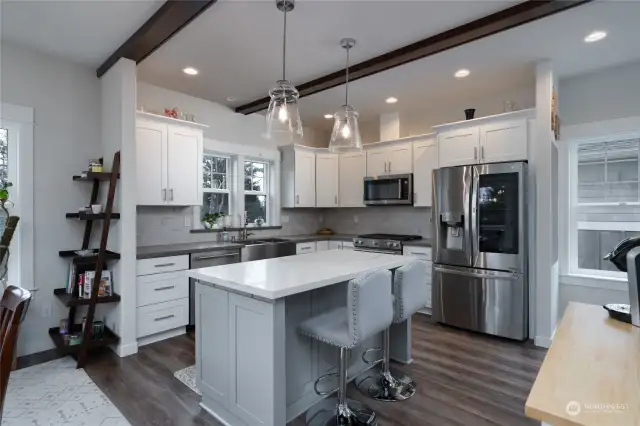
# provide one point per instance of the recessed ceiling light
(391, 100)
(231, 99)
(462, 73)
(328, 116)
(595, 36)
(190, 71)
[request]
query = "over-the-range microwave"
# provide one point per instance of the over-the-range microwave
(388, 190)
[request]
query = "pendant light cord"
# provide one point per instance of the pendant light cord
(284, 47)
(346, 85)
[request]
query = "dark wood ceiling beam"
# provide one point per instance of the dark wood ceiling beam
(172, 17)
(506, 19)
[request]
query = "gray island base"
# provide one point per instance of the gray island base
(253, 368)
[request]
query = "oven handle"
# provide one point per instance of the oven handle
(378, 251)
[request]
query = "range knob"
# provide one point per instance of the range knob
(396, 244)
(390, 243)
(375, 243)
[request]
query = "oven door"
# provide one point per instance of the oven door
(388, 190)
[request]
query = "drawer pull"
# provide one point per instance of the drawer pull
(169, 287)
(166, 317)
(161, 265)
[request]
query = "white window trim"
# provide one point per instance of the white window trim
(267, 178)
(238, 153)
(20, 119)
(580, 134)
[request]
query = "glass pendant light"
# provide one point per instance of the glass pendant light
(346, 133)
(283, 117)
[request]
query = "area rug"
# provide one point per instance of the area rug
(55, 394)
(188, 377)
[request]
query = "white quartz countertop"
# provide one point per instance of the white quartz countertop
(285, 276)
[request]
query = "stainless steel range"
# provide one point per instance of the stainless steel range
(382, 243)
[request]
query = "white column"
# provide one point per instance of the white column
(118, 87)
(544, 270)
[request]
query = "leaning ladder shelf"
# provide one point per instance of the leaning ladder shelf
(95, 262)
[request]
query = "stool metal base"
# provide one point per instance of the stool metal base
(330, 413)
(390, 386)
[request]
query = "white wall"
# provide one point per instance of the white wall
(594, 105)
(420, 121)
(603, 95)
(66, 102)
(118, 134)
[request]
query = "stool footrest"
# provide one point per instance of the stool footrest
(367, 352)
(324, 377)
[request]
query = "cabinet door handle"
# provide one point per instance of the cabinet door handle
(297, 199)
(336, 199)
(169, 287)
(389, 166)
(171, 194)
(164, 194)
(166, 317)
(475, 153)
(482, 152)
(162, 265)
(385, 167)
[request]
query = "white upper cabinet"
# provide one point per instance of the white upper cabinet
(327, 182)
(503, 141)
(390, 159)
(458, 147)
(494, 139)
(353, 169)
(400, 159)
(151, 176)
(184, 178)
(298, 177)
(377, 161)
(168, 162)
(425, 161)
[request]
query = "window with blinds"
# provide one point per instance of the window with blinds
(605, 201)
(608, 172)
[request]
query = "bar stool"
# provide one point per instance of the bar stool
(369, 310)
(410, 294)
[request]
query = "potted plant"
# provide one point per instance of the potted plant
(210, 220)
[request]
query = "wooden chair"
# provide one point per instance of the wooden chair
(13, 308)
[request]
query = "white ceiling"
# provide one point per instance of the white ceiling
(237, 45)
(83, 31)
(497, 63)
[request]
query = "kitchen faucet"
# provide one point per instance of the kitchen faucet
(243, 234)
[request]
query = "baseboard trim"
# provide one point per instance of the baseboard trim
(147, 340)
(38, 358)
(544, 342)
(126, 350)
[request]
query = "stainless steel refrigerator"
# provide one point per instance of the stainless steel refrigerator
(480, 272)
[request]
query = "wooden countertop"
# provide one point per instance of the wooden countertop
(594, 365)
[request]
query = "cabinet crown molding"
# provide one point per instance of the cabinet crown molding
(170, 120)
(522, 114)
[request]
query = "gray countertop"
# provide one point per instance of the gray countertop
(149, 252)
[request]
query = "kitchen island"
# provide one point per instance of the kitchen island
(253, 368)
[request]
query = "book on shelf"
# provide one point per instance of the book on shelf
(105, 286)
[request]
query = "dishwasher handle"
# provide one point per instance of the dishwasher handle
(216, 256)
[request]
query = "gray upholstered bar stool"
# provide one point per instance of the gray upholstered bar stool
(369, 310)
(410, 294)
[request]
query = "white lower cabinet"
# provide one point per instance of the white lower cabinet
(322, 245)
(163, 316)
(335, 245)
(162, 296)
(303, 248)
(423, 253)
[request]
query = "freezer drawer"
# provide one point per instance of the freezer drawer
(491, 302)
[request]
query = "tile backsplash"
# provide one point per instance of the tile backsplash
(383, 219)
(166, 225)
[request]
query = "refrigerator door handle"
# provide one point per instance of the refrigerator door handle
(475, 273)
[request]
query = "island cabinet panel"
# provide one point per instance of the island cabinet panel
(256, 328)
(301, 371)
(213, 377)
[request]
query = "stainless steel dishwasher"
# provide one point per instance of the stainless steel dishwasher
(204, 260)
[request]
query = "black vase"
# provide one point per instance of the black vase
(468, 113)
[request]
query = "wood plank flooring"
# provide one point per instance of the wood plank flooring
(464, 379)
